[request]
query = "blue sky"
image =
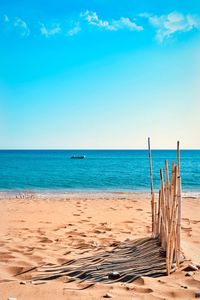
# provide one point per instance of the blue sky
(99, 74)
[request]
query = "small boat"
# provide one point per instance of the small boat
(78, 157)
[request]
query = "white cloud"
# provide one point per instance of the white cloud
(5, 18)
(93, 19)
(126, 23)
(22, 26)
(113, 25)
(168, 25)
(165, 25)
(16, 24)
(75, 30)
(55, 29)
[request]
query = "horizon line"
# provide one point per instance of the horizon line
(89, 149)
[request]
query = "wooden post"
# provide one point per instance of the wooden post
(173, 215)
(179, 199)
(179, 203)
(156, 219)
(152, 192)
(167, 192)
(163, 210)
(159, 213)
(178, 157)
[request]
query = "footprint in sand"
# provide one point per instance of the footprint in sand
(187, 220)
(127, 222)
(25, 228)
(61, 260)
(97, 231)
(36, 258)
(5, 256)
(195, 221)
(40, 231)
(187, 230)
(14, 270)
(13, 250)
(45, 240)
(144, 290)
(107, 229)
(45, 222)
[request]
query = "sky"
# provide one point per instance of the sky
(101, 74)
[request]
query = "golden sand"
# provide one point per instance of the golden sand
(40, 229)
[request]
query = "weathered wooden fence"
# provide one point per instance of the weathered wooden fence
(166, 211)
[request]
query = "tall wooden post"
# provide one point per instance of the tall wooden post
(178, 157)
(152, 192)
(179, 199)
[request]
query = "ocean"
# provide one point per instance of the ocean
(102, 170)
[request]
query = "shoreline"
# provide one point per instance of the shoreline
(25, 193)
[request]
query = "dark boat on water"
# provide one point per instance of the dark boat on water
(78, 157)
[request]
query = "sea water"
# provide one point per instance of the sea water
(101, 170)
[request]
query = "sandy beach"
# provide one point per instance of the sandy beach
(53, 229)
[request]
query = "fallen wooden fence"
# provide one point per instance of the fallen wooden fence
(125, 263)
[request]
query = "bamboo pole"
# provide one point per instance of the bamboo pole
(173, 219)
(159, 212)
(156, 219)
(167, 191)
(175, 236)
(163, 210)
(179, 199)
(152, 192)
(172, 184)
(178, 157)
(179, 204)
(170, 248)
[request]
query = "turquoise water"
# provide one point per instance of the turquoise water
(108, 170)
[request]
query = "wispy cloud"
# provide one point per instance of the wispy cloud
(5, 18)
(22, 26)
(167, 25)
(93, 19)
(74, 30)
(114, 25)
(123, 23)
(18, 24)
(47, 32)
